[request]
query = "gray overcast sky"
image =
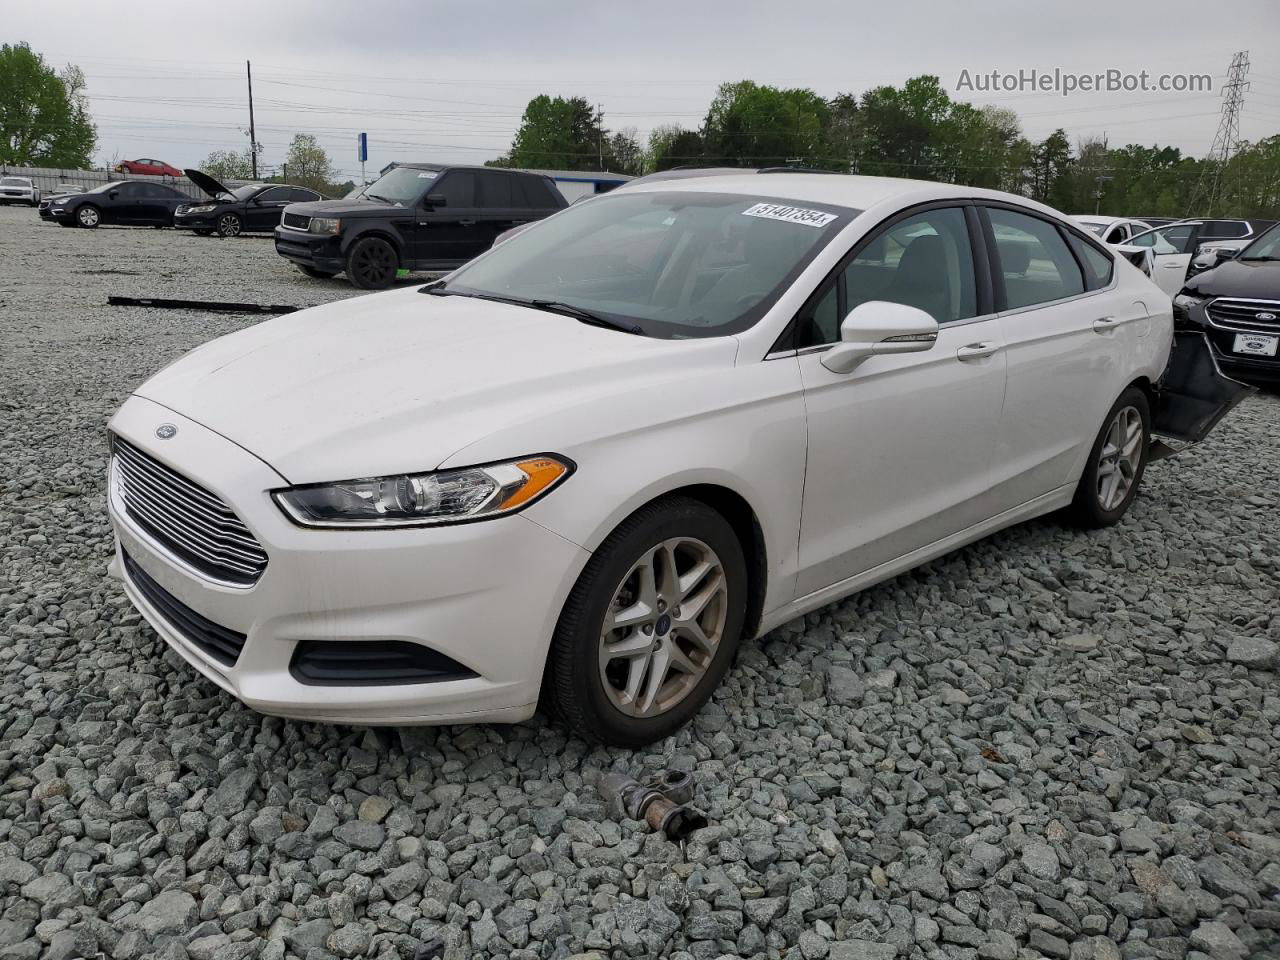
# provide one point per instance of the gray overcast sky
(448, 80)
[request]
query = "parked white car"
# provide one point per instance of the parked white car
(583, 468)
(19, 190)
(1112, 230)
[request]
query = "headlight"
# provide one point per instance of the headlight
(202, 208)
(1185, 301)
(324, 225)
(425, 499)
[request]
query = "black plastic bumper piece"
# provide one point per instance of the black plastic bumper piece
(217, 641)
(353, 663)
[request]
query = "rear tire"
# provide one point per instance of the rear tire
(317, 274)
(1116, 463)
(88, 217)
(372, 264)
(676, 630)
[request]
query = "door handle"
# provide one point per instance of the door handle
(467, 223)
(1105, 324)
(976, 351)
(1172, 266)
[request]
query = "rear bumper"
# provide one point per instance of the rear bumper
(321, 253)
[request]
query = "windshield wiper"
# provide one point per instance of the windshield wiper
(584, 316)
(375, 196)
(1266, 259)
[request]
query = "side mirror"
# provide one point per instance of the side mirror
(113, 194)
(436, 200)
(1220, 256)
(876, 328)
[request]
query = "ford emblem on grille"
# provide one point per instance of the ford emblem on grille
(1264, 316)
(166, 430)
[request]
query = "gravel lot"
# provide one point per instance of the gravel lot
(1048, 744)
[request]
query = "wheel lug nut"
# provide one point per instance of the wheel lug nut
(675, 611)
(648, 629)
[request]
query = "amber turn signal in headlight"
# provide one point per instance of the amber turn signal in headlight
(425, 499)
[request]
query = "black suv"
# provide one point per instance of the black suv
(417, 216)
(1237, 304)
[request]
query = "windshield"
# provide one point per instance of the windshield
(673, 264)
(1094, 226)
(403, 185)
(103, 188)
(15, 182)
(245, 192)
(1266, 247)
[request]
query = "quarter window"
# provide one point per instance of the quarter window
(1097, 265)
(1034, 263)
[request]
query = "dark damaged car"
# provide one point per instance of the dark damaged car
(418, 216)
(231, 211)
(1236, 305)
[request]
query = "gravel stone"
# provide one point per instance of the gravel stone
(1048, 737)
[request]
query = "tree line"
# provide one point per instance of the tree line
(917, 130)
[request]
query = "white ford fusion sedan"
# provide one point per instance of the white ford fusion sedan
(584, 468)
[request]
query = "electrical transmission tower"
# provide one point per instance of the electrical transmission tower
(1226, 141)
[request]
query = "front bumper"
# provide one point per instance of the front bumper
(321, 252)
(1247, 368)
(195, 221)
(485, 594)
(14, 197)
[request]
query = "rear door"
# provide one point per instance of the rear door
(1065, 329)
(502, 202)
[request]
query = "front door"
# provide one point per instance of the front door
(1172, 247)
(900, 447)
(262, 213)
(448, 229)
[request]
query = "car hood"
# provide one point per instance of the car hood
(1255, 280)
(206, 183)
(398, 382)
(347, 208)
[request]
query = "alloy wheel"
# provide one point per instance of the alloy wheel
(88, 216)
(1119, 458)
(373, 263)
(229, 225)
(663, 627)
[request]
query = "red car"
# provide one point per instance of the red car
(155, 168)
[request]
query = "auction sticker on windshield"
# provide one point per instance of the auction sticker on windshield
(778, 211)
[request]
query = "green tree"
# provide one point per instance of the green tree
(560, 133)
(228, 165)
(44, 117)
(670, 145)
(308, 164)
(1051, 169)
(626, 153)
(750, 125)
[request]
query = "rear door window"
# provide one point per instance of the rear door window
(1034, 263)
(497, 191)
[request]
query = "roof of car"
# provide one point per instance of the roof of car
(846, 190)
(1101, 218)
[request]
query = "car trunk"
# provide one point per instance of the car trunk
(1193, 394)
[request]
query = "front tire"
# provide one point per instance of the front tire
(651, 626)
(372, 264)
(88, 217)
(1116, 463)
(230, 225)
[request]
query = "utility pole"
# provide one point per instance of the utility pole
(253, 134)
(1225, 142)
(600, 134)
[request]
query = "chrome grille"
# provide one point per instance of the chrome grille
(1227, 314)
(296, 221)
(194, 524)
